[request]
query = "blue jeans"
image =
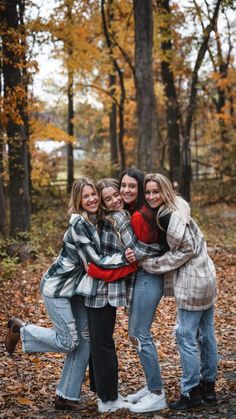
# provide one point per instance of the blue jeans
(148, 291)
(69, 335)
(197, 347)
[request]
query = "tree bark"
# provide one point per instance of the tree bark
(117, 69)
(15, 96)
(70, 114)
(113, 128)
(70, 131)
(148, 158)
(2, 197)
(172, 106)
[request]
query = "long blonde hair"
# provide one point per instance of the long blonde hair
(76, 196)
(171, 201)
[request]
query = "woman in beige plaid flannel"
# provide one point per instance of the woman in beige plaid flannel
(190, 277)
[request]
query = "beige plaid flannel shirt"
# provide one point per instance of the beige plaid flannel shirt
(188, 270)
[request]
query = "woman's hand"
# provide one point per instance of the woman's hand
(86, 267)
(129, 254)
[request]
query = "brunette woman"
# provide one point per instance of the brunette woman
(116, 234)
(148, 288)
(191, 279)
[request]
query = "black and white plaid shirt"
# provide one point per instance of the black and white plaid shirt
(115, 238)
(118, 293)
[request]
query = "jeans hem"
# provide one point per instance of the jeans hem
(22, 338)
(64, 396)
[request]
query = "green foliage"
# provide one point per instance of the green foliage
(47, 229)
(8, 264)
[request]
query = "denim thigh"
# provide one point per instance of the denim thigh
(148, 290)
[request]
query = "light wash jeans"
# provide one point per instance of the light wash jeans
(148, 290)
(70, 335)
(198, 355)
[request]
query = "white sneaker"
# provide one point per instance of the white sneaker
(112, 406)
(135, 397)
(122, 398)
(149, 403)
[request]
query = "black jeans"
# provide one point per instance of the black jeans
(104, 358)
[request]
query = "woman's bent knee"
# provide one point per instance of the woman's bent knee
(136, 343)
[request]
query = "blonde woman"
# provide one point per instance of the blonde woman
(190, 277)
(61, 289)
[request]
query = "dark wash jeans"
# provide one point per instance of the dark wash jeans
(103, 353)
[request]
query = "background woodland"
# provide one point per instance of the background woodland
(144, 83)
(150, 84)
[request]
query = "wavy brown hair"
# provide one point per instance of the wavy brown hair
(76, 196)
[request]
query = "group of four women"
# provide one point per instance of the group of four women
(127, 244)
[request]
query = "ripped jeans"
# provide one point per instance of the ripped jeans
(69, 335)
(148, 291)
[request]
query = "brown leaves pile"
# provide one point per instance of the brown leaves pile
(28, 382)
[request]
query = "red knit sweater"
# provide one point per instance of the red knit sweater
(143, 224)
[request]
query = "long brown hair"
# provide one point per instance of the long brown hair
(106, 214)
(106, 183)
(76, 196)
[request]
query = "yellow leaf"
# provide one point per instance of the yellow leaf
(23, 401)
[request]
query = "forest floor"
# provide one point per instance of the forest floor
(28, 381)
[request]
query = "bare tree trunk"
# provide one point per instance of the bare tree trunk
(185, 178)
(113, 128)
(148, 158)
(220, 62)
(70, 114)
(25, 81)
(70, 131)
(14, 92)
(172, 106)
(2, 198)
(110, 44)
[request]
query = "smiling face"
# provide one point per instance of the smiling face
(112, 199)
(152, 194)
(129, 190)
(89, 199)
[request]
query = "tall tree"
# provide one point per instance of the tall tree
(70, 95)
(172, 105)
(148, 158)
(185, 175)
(116, 69)
(15, 96)
(2, 197)
(221, 63)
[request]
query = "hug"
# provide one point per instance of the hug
(128, 243)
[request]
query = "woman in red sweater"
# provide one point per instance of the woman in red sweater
(148, 289)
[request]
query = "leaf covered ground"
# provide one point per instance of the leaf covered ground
(28, 382)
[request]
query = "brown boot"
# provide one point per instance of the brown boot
(13, 335)
(65, 404)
